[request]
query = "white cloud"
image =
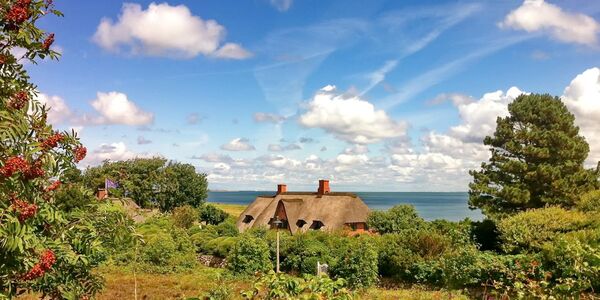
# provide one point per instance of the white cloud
(280, 148)
(115, 108)
(232, 51)
(540, 16)
(238, 144)
(279, 161)
(582, 97)
(352, 159)
(351, 119)
(112, 152)
(268, 117)
(454, 98)
(59, 111)
(221, 168)
(165, 30)
(479, 118)
(378, 76)
(282, 5)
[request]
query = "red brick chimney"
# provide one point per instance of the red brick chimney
(281, 188)
(101, 194)
(323, 187)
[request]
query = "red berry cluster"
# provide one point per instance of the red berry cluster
(53, 186)
(80, 153)
(24, 209)
(19, 12)
(48, 41)
(52, 141)
(34, 171)
(12, 165)
(19, 100)
(46, 261)
(2, 59)
(35, 272)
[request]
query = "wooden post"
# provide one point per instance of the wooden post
(277, 250)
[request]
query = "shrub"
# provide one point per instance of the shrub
(528, 231)
(184, 216)
(575, 266)
(211, 214)
(506, 275)
(589, 202)
(396, 219)
(356, 262)
(167, 248)
(281, 286)
(220, 246)
(227, 228)
(412, 255)
(73, 196)
(249, 255)
(458, 233)
(158, 250)
(486, 235)
(303, 253)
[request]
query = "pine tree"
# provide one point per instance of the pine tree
(537, 159)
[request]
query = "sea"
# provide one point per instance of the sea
(451, 206)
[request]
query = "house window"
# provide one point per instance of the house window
(248, 219)
(300, 223)
(316, 225)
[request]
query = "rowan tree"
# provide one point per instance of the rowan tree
(43, 248)
(537, 159)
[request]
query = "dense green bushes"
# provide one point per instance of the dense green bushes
(528, 231)
(549, 251)
(589, 202)
(184, 216)
(355, 260)
(282, 286)
(396, 219)
(210, 214)
(249, 255)
(163, 248)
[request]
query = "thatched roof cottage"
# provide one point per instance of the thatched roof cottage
(302, 211)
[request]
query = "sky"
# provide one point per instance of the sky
(373, 95)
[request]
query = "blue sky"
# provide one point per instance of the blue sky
(374, 95)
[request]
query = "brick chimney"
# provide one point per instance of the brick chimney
(323, 187)
(281, 188)
(101, 194)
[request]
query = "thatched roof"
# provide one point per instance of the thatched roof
(332, 209)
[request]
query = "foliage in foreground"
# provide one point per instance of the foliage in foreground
(282, 286)
(53, 232)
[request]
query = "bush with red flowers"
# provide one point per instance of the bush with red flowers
(44, 247)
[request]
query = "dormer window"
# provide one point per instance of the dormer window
(316, 225)
(300, 223)
(248, 219)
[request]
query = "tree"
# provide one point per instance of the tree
(537, 158)
(151, 182)
(396, 219)
(212, 214)
(188, 187)
(43, 247)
